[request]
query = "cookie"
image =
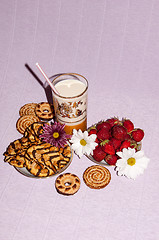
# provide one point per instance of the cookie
(16, 161)
(33, 131)
(44, 111)
(96, 177)
(17, 146)
(44, 160)
(15, 152)
(27, 109)
(44, 153)
(65, 156)
(38, 169)
(67, 184)
(25, 121)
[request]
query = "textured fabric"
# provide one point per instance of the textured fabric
(115, 45)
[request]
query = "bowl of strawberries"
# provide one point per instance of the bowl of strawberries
(113, 135)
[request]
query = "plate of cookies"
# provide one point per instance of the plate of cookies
(31, 155)
(34, 158)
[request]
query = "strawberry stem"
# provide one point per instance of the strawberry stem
(104, 142)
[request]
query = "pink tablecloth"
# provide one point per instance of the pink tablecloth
(115, 45)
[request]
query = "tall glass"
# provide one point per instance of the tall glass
(70, 104)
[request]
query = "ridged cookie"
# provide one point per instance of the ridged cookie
(67, 184)
(44, 111)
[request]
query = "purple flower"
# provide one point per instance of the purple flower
(55, 134)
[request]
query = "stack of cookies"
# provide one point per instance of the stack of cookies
(34, 112)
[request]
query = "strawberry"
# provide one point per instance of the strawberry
(119, 132)
(113, 121)
(137, 134)
(103, 125)
(128, 125)
(125, 144)
(103, 134)
(97, 140)
(116, 143)
(133, 144)
(108, 147)
(98, 154)
(111, 159)
(92, 131)
(129, 143)
(127, 137)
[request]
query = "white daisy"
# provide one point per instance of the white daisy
(82, 143)
(131, 163)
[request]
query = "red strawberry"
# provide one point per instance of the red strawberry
(113, 121)
(116, 143)
(103, 134)
(98, 154)
(137, 134)
(111, 159)
(92, 131)
(129, 143)
(127, 137)
(97, 140)
(108, 147)
(119, 132)
(128, 125)
(103, 125)
(125, 144)
(133, 144)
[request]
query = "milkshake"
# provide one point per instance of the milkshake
(70, 103)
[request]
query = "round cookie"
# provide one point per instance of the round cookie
(27, 109)
(67, 184)
(96, 177)
(25, 121)
(44, 111)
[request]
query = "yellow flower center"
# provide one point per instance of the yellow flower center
(83, 142)
(131, 161)
(55, 134)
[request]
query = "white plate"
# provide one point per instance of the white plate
(103, 162)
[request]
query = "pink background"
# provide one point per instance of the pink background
(115, 45)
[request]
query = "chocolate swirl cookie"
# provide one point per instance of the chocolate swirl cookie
(96, 177)
(27, 109)
(25, 121)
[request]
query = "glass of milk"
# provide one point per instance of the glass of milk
(70, 104)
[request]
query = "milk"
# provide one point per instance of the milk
(70, 104)
(70, 87)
